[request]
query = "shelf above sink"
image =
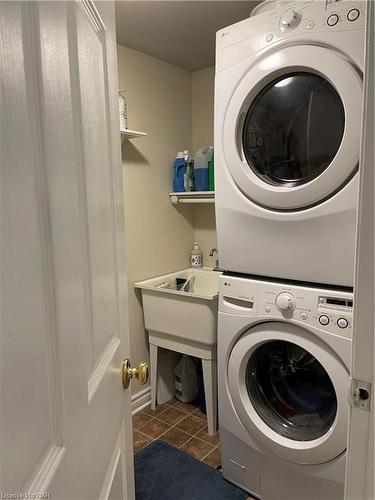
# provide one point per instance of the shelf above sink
(131, 134)
(192, 197)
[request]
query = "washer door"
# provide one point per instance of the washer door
(291, 133)
(290, 392)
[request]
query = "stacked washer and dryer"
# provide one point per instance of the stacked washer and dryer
(288, 98)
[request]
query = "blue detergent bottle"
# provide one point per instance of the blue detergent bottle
(179, 173)
(201, 168)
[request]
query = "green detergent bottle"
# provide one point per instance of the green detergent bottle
(211, 173)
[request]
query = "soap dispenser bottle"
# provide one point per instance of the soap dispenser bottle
(196, 256)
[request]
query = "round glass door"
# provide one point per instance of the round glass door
(290, 134)
(291, 391)
(293, 129)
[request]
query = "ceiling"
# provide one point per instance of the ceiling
(179, 32)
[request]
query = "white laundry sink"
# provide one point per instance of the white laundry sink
(189, 313)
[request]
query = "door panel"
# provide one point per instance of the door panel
(98, 206)
(274, 407)
(30, 381)
(261, 187)
(293, 129)
(63, 297)
(291, 391)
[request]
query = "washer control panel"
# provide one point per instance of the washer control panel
(330, 310)
(338, 310)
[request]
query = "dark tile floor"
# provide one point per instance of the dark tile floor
(182, 425)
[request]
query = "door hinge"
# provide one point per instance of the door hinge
(360, 394)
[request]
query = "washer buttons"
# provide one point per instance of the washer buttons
(342, 323)
(353, 15)
(267, 309)
(303, 315)
(269, 37)
(332, 20)
(323, 319)
(310, 25)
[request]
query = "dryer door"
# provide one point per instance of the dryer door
(290, 392)
(291, 133)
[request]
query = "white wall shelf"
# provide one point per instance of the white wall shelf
(192, 197)
(131, 134)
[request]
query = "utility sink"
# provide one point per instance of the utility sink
(182, 306)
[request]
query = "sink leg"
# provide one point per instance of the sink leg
(210, 389)
(154, 374)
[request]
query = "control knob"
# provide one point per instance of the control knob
(289, 20)
(285, 302)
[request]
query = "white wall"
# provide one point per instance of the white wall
(159, 236)
(175, 108)
(202, 88)
(203, 135)
(205, 231)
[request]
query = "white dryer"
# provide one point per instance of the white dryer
(283, 366)
(288, 97)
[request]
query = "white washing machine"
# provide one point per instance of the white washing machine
(283, 365)
(288, 97)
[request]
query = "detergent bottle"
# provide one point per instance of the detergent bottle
(201, 168)
(179, 173)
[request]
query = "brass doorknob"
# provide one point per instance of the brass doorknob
(140, 372)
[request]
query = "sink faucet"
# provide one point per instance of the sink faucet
(214, 251)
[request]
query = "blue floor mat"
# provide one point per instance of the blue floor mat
(163, 472)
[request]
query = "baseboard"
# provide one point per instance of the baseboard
(140, 400)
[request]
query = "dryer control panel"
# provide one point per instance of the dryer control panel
(330, 23)
(330, 309)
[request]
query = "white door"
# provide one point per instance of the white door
(291, 132)
(290, 391)
(65, 419)
(360, 464)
